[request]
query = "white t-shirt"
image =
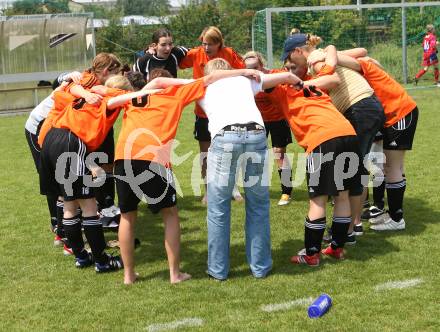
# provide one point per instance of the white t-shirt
(39, 114)
(231, 100)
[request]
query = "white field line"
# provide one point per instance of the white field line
(398, 284)
(286, 305)
(186, 322)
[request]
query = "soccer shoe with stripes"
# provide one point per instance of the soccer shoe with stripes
(67, 250)
(87, 261)
(389, 225)
(372, 212)
(379, 219)
(335, 253)
(358, 229)
(114, 263)
(58, 241)
(304, 259)
(284, 200)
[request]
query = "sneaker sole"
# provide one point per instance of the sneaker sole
(358, 233)
(388, 229)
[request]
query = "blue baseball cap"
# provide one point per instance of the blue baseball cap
(292, 42)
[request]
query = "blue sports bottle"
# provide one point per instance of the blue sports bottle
(320, 306)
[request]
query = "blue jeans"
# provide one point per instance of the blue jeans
(230, 150)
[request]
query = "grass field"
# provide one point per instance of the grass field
(41, 290)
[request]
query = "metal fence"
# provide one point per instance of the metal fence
(392, 32)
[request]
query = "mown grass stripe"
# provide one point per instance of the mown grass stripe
(287, 305)
(186, 322)
(398, 284)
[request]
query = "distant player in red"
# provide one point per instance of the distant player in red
(429, 54)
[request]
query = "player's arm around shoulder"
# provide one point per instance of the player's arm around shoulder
(123, 99)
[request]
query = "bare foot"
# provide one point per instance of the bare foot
(204, 200)
(130, 279)
(182, 276)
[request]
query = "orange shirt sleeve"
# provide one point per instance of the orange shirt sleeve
(235, 60)
(190, 92)
(188, 60)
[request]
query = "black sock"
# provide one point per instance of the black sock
(95, 236)
(52, 206)
(367, 198)
(60, 215)
(105, 194)
(313, 233)
(285, 175)
(72, 228)
(379, 192)
(395, 193)
(340, 227)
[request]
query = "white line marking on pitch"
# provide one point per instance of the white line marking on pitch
(399, 284)
(186, 322)
(286, 305)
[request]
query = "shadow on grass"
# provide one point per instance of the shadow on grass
(370, 245)
(149, 230)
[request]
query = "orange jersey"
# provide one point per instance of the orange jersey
(313, 120)
(90, 123)
(88, 80)
(61, 100)
(197, 59)
(150, 123)
(395, 100)
(270, 110)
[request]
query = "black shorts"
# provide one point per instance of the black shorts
(329, 163)
(157, 187)
(32, 141)
(379, 136)
(108, 147)
(400, 136)
(279, 133)
(62, 174)
(201, 132)
(367, 118)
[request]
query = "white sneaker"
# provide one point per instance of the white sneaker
(380, 219)
(108, 212)
(115, 209)
(302, 252)
(389, 225)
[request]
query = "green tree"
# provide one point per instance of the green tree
(191, 20)
(143, 7)
(29, 7)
